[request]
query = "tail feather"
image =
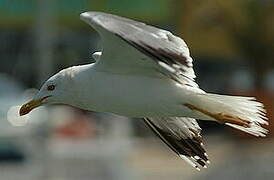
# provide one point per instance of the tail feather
(247, 107)
(242, 113)
(254, 129)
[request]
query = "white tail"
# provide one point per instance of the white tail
(243, 113)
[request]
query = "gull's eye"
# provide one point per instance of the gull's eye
(51, 87)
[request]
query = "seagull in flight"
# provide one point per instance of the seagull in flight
(146, 72)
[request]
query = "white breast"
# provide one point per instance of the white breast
(132, 96)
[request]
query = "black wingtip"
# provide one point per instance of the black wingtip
(189, 149)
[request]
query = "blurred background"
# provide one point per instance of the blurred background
(232, 43)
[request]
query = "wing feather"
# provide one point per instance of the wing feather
(163, 52)
(182, 135)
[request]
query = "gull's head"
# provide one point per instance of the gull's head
(54, 91)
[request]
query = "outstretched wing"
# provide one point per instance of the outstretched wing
(134, 47)
(182, 135)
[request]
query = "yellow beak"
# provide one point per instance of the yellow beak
(29, 106)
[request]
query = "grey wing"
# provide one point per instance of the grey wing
(136, 46)
(182, 135)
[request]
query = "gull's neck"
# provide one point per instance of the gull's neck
(79, 85)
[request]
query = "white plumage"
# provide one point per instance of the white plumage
(147, 72)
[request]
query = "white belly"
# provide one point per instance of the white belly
(135, 96)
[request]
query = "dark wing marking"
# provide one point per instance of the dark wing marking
(170, 53)
(182, 135)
